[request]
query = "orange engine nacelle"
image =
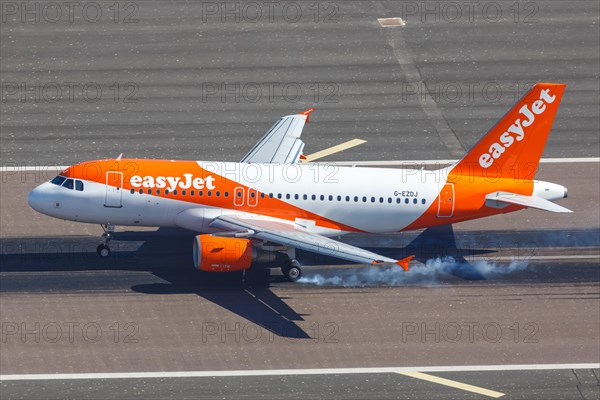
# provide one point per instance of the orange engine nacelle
(222, 254)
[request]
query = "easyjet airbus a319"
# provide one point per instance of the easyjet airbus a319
(255, 213)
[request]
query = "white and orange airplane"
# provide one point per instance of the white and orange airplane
(271, 203)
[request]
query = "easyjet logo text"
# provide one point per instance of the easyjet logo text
(173, 182)
(516, 132)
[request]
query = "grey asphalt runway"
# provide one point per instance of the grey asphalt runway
(522, 290)
(176, 80)
(192, 80)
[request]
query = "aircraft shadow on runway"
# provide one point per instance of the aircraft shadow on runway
(242, 294)
(166, 254)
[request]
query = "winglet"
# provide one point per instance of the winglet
(404, 262)
(307, 113)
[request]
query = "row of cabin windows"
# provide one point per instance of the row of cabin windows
(68, 183)
(185, 192)
(348, 199)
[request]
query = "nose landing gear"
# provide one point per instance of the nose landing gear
(103, 250)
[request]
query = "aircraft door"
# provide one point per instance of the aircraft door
(114, 189)
(446, 201)
(242, 197)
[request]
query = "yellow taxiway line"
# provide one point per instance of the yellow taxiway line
(454, 384)
(335, 149)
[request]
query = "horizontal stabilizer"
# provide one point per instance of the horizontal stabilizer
(501, 199)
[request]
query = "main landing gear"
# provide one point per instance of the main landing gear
(292, 271)
(103, 250)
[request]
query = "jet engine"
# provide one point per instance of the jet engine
(222, 254)
(229, 254)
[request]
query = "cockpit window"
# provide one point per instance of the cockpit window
(79, 186)
(58, 180)
(68, 184)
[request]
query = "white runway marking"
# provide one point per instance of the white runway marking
(419, 163)
(278, 372)
(409, 163)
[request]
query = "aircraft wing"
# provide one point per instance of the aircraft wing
(281, 144)
(493, 199)
(289, 235)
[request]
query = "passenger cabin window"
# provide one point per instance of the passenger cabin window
(58, 180)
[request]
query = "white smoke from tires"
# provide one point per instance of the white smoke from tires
(432, 272)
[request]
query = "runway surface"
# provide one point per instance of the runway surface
(206, 86)
(510, 295)
(518, 289)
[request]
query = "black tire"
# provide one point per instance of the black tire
(292, 272)
(103, 251)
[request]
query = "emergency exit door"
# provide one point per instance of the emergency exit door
(446, 201)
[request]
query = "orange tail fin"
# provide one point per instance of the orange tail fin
(514, 146)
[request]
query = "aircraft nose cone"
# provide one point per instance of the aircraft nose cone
(36, 199)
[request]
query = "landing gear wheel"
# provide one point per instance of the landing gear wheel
(103, 250)
(292, 271)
